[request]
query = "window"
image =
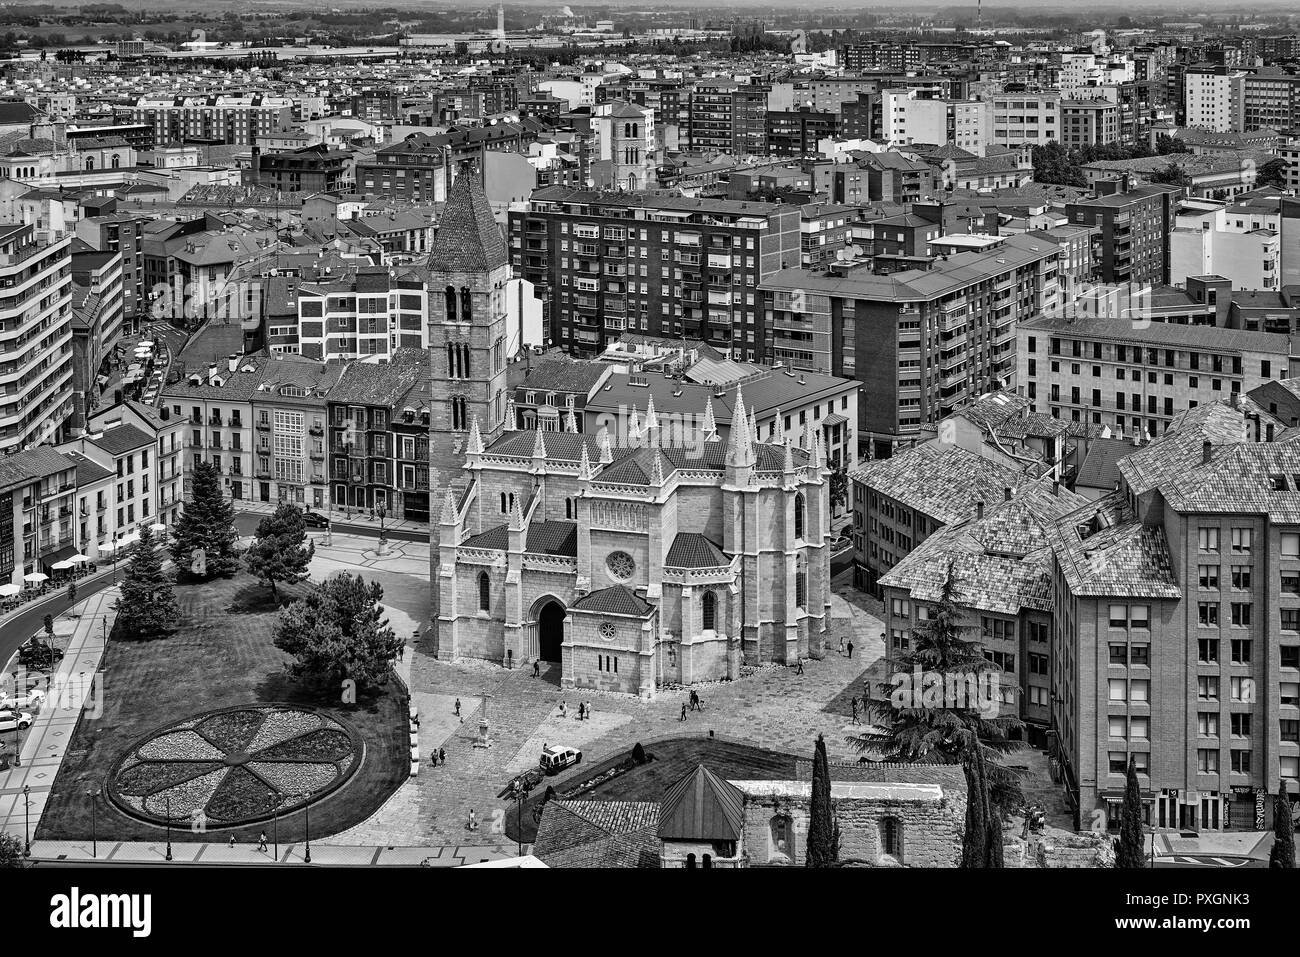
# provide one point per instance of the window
(1240, 761)
(708, 611)
(1118, 689)
(779, 838)
(1139, 690)
(1207, 761)
(1118, 726)
(1240, 725)
(891, 838)
(1241, 540)
(1240, 648)
(1207, 650)
(798, 515)
(484, 592)
(1118, 762)
(1241, 614)
(1291, 544)
(1139, 616)
(1118, 653)
(1241, 577)
(1208, 539)
(1208, 613)
(1207, 688)
(1241, 689)
(1139, 728)
(1207, 724)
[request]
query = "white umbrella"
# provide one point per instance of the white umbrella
(62, 566)
(78, 559)
(36, 578)
(8, 590)
(107, 548)
(158, 527)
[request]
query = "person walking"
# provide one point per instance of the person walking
(458, 707)
(854, 702)
(442, 756)
(798, 666)
(581, 707)
(261, 842)
(564, 709)
(850, 650)
(537, 668)
(683, 717)
(841, 644)
(232, 840)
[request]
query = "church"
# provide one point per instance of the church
(631, 567)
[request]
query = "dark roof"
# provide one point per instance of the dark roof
(87, 471)
(562, 374)
(468, 238)
(1100, 468)
(381, 383)
(122, 439)
(497, 539)
(701, 807)
(693, 550)
(31, 464)
(598, 834)
(615, 600)
(553, 538)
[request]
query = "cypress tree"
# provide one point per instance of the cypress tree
(207, 523)
(1282, 855)
(1129, 851)
(147, 607)
(823, 829)
(974, 848)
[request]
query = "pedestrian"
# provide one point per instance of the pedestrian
(854, 702)
(841, 644)
(850, 649)
(442, 756)
(683, 717)
(799, 669)
(261, 842)
(458, 707)
(473, 821)
(588, 712)
(564, 709)
(232, 840)
(537, 667)
(580, 707)
(510, 659)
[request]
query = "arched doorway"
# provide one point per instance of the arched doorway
(550, 631)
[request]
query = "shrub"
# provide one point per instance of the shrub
(638, 754)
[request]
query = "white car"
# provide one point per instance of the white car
(555, 759)
(10, 719)
(32, 698)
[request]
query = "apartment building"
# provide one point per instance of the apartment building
(1243, 245)
(234, 120)
(1270, 101)
(1176, 628)
(673, 266)
(797, 132)
(367, 312)
(1215, 97)
(121, 233)
(914, 116)
(310, 169)
(167, 431)
(36, 334)
(1025, 118)
(38, 491)
(727, 116)
(96, 324)
(1090, 122)
(127, 453)
(217, 407)
(1133, 226)
(289, 412)
(922, 341)
(1137, 377)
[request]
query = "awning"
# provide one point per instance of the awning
(64, 552)
(834, 419)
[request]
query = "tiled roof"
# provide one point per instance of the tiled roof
(497, 539)
(939, 480)
(598, 834)
(381, 383)
(560, 446)
(701, 807)
(1001, 563)
(1104, 551)
(31, 464)
(1100, 468)
(87, 471)
(562, 374)
(121, 439)
(553, 538)
(468, 238)
(614, 600)
(693, 550)
(1180, 446)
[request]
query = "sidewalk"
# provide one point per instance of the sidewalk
(72, 685)
(220, 854)
(338, 516)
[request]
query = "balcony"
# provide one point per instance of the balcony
(316, 430)
(263, 426)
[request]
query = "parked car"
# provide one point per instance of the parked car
(557, 758)
(315, 520)
(841, 543)
(32, 698)
(10, 719)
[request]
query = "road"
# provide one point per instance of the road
(246, 524)
(30, 619)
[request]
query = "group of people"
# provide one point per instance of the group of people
(584, 710)
(696, 704)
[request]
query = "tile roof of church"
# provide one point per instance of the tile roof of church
(614, 600)
(468, 238)
(693, 550)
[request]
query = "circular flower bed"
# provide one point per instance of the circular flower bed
(235, 766)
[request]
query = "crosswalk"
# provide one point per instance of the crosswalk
(1184, 861)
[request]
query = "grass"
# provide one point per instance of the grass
(670, 760)
(220, 655)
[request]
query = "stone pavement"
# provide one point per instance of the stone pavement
(324, 854)
(81, 631)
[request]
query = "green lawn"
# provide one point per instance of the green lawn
(220, 655)
(670, 761)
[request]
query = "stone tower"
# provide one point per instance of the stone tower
(467, 273)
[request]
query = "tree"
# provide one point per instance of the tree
(147, 607)
(11, 852)
(823, 829)
(1129, 851)
(206, 525)
(336, 632)
(839, 487)
(974, 848)
(1171, 175)
(282, 551)
(1282, 856)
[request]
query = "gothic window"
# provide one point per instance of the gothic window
(459, 421)
(466, 311)
(891, 838)
(464, 366)
(690, 862)
(620, 566)
(778, 839)
(798, 514)
(90, 162)
(627, 129)
(450, 297)
(708, 860)
(568, 508)
(801, 583)
(636, 129)
(117, 161)
(709, 611)
(483, 592)
(451, 361)
(504, 507)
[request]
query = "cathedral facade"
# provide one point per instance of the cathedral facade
(631, 567)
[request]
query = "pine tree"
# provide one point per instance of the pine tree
(937, 722)
(336, 632)
(282, 551)
(823, 829)
(1282, 856)
(206, 525)
(146, 608)
(1129, 849)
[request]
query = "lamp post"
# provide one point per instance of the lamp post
(27, 827)
(307, 857)
(275, 833)
(94, 836)
(383, 542)
(169, 828)
(18, 747)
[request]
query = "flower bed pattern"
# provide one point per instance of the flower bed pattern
(235, 766)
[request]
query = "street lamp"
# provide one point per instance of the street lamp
(18, 731)
(275, 833)
(27, 827)
(169, 828)
(94, 837)
(307, 856)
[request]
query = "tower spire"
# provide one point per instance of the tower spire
(740, 443)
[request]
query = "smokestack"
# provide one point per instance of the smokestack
(1207, 450)
(1255, 418)
(1268, 432)
(979, 509)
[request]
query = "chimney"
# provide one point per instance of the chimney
(1268, 432)
(1006, 494)
(232, 362)
(1056, 487)
(1254, 416)
(979, 509)
(212, 372)
(1207, 450)
(1235, 400)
